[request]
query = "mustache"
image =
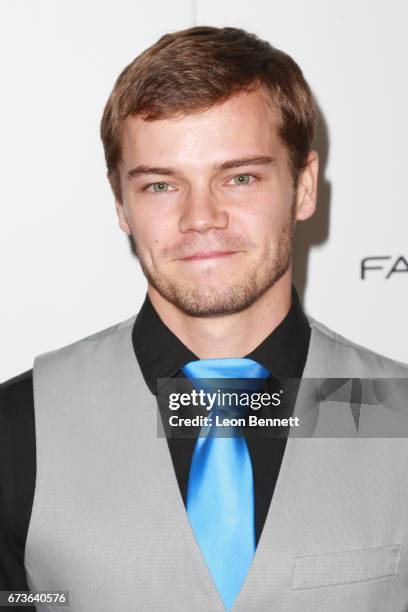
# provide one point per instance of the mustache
(192, 245)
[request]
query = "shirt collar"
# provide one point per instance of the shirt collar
(161, 354)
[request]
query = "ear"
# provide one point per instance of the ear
(123, 222)
(306, 193)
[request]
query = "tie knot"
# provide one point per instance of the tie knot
(227, 367)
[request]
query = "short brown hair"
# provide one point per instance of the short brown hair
(193, 69)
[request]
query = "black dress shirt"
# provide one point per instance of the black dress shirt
(160, 354)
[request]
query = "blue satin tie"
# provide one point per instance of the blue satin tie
(220, 492)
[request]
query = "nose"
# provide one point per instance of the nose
(201, 212)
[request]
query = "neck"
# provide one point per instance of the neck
(232, 335)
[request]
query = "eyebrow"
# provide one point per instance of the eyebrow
(258, 160)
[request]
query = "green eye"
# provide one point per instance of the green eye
(242, 179)
(159, 187)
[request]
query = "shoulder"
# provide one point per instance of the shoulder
(16, 390)
(372, 364)
(91, 341)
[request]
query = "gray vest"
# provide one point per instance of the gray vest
(109, 524)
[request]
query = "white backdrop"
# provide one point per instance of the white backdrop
(66, 268)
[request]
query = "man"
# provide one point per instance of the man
(208, 143)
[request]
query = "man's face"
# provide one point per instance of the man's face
(210, 203)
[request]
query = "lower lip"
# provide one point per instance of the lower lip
(209, 256)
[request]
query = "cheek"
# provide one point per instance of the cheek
(151, 232)
(264, 217)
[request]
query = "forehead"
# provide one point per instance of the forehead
(245, 124)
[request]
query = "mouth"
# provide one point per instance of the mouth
(208, 255)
